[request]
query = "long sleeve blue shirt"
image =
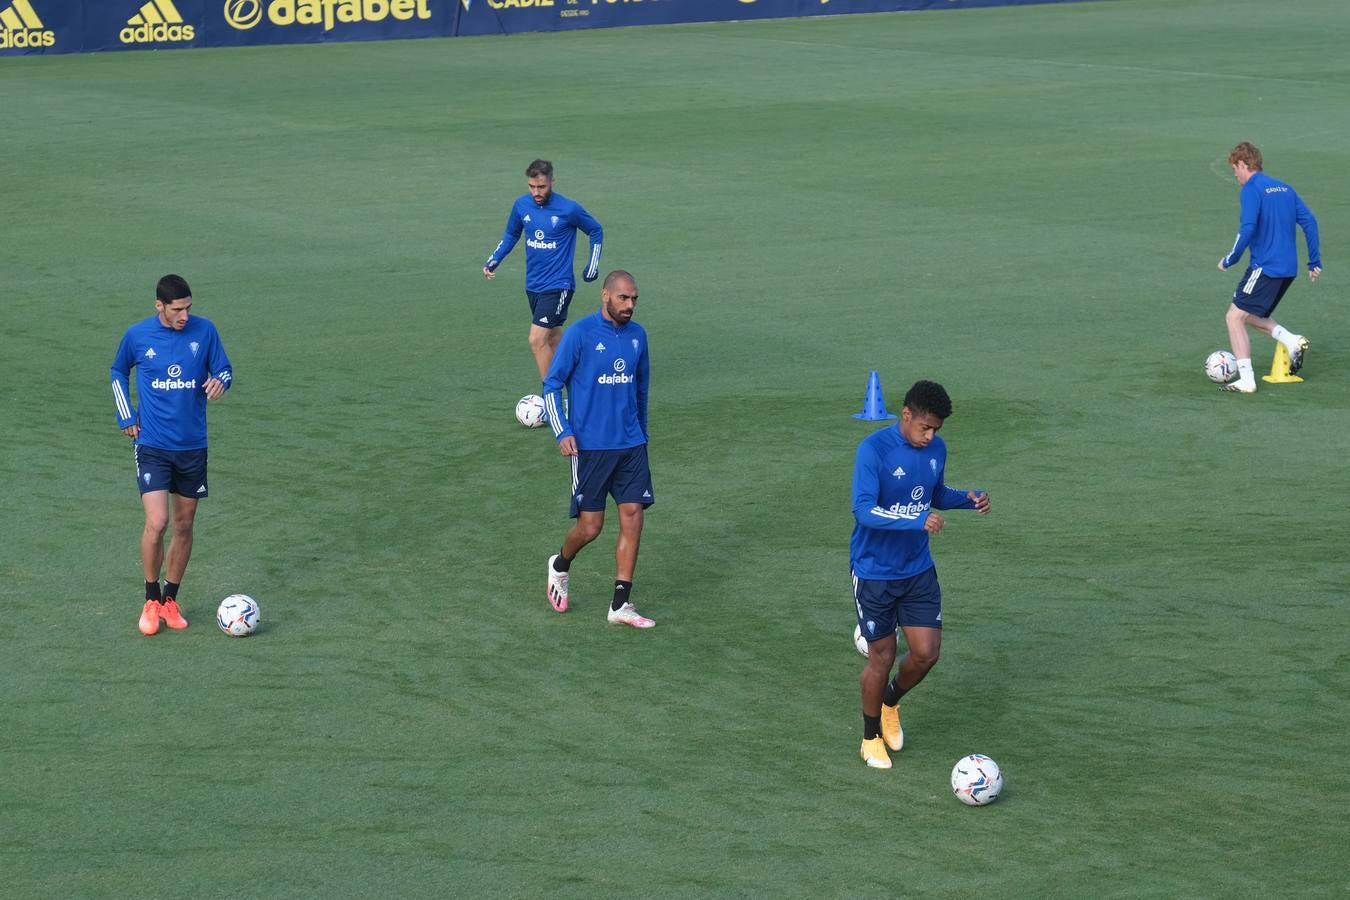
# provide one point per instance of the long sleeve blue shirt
(550, 241)
(1269, 209)
(172, 368)
(604, 368)
(894, 487)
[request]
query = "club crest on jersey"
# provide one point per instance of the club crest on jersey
(932, 464)
(554, 221)
(193, 347)
(635, 343)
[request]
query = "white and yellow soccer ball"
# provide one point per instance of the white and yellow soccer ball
(976, 780)
(238, 615)
(530, 411)
(1221, 366)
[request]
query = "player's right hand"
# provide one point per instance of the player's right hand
(490, 270)
(132, 431)
(1314, 272)
(568, 446)
(933, 524)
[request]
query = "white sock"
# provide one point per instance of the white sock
(1245, 373)
(1285, 336)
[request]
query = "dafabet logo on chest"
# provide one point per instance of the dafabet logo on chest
(20, 27)
(244, 14)
(158, 21)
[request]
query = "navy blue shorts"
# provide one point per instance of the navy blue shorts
(1259, 294)
(548, 309)
(180, 472)
(623, 474)
(882, 605)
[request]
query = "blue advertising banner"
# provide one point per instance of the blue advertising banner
(84, 26)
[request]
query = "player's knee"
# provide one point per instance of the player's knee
(1236, 315)
(539, 339)
(926, 658)
(589, 531)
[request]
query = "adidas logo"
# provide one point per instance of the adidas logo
(157, 21)
(646, 495)
(543, 320)
(202, 489)
(20, 27)
(899, 472)
(599, 346)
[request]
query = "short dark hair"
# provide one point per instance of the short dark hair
(539, 167)
(929, 397)
(616, 276)
(171, 288)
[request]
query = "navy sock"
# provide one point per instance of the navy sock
(894, 692)
(623, 591)
(871, 727)
(562, 563)
(152, 590)
(170, 591)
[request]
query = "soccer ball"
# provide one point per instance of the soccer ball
(976, 780)
(1221, 366)
(530, 411)
(858, 640)
(238, 615)
(861, 642)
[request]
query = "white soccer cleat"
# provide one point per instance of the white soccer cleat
(1238, 387)
(627, 615)
(1296, 355)
(557, 587)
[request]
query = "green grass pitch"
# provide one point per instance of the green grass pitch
(1148, 634)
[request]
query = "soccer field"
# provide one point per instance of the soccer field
(1148, 633)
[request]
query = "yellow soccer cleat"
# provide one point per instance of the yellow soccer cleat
(891, 732)
(874, 754)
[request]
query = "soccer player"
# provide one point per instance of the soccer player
(180, 364)
(897, 488)
(602, 363)
(552, 221)
(1269, 210)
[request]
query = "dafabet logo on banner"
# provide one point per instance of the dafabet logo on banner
(20, 27)
(157, 21)
(244, 14)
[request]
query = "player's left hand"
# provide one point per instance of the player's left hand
(981, 501)
(933, 524)
(1314, 272)
(214, 388)
(1222, 267)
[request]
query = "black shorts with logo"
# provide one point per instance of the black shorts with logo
(180, 472)
(599, 474)
(548, 309)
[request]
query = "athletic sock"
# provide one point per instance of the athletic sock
(170, 591)
(562, 563)
(152, 590)
(893, 693)
(1284, 336)
(623, 590)
(871, 727)
(1245, 373)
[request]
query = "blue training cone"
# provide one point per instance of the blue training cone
(874, 404)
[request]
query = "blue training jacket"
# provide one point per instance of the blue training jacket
(604, 368)
(550, 242)
(1269, 210)
(172, 368)
(894, 487)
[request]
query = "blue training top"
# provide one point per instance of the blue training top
(172, 370)
(550, 242)
(1269, 210)
(604, 368)
(894, 486)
